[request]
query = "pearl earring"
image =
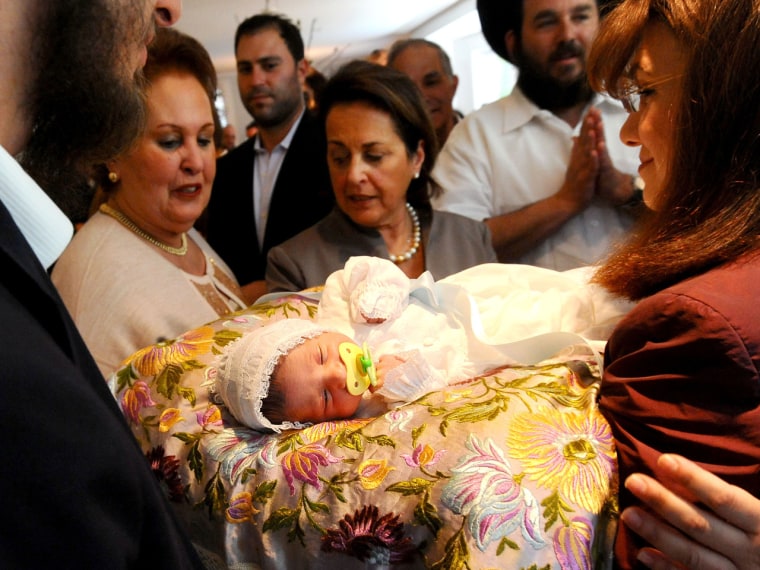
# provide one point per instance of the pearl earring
(113, 177)
(416, 175)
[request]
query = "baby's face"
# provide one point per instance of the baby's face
(313, 380)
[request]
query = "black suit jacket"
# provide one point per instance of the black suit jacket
(301, 197)
(77, 491)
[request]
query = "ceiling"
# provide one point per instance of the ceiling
(332, 30)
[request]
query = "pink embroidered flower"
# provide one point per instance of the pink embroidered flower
(373, 472)
(241, 508)
(423, 456)
(135, 399)
(369, 537)
(303, 464)
(211, 418)
(572, 545)
(151, 360)
(568, 451)
(483, 489)
(168, 418)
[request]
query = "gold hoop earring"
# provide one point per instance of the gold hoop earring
(113, 177)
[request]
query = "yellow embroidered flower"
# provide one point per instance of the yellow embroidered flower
(423, 456)
(241, 508)
(568, 451)
(169, 417)
(151, 360)
(211, 418)
(373, 472)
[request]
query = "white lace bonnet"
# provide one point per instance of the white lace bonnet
(246, 365)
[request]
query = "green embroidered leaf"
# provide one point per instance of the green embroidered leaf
(215, 497)
(187, 437)
(555, 508)
(296, 533)
(504, 544)
(226, 336)
(187, 393)
(426, 514)
(281, 518)
(123, 377)
(417, 433)
(414, 486)
(334, 485)
(188, 365)
(456, 555)
(316, 507)
(535, 567)
(247, 472)
(383, 440)
(168, 380)
(350, 440)
(478, 412)
(195, 460)
(264, 491)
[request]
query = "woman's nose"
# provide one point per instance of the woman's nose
(356, 171)
(629, 132)
(192, 161)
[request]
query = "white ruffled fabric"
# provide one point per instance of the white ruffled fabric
(244, 369)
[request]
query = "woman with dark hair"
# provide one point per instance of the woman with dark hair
(681, 369)
(381, 147)
(137, 272)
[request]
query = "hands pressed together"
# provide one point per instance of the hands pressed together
(590, 172)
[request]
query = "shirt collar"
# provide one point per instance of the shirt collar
(285, 142)
(43, 224)
(519, 110)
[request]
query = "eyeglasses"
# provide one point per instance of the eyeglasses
(631, 97)
(631, 100)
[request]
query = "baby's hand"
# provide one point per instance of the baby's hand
(382, 366)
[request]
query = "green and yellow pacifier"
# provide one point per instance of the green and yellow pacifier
(360, 371)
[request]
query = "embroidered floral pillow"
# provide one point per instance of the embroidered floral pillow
(515, 469)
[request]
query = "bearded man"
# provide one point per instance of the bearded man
(543, 166)
(77, 491)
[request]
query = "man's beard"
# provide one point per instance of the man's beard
(548, 92)
(283, 108)
(85, 107)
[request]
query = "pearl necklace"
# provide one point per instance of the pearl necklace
(409, 253)
(130, 225)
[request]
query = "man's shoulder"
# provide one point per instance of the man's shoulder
(309, 132)
(243, 153)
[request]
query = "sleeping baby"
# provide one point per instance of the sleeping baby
(423, 334)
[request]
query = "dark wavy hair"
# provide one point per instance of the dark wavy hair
(391, 92)
(708, 212)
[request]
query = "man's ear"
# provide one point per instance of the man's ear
(302, 68)
(510, 40)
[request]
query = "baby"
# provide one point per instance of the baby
(427, 335)
(294, 372)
